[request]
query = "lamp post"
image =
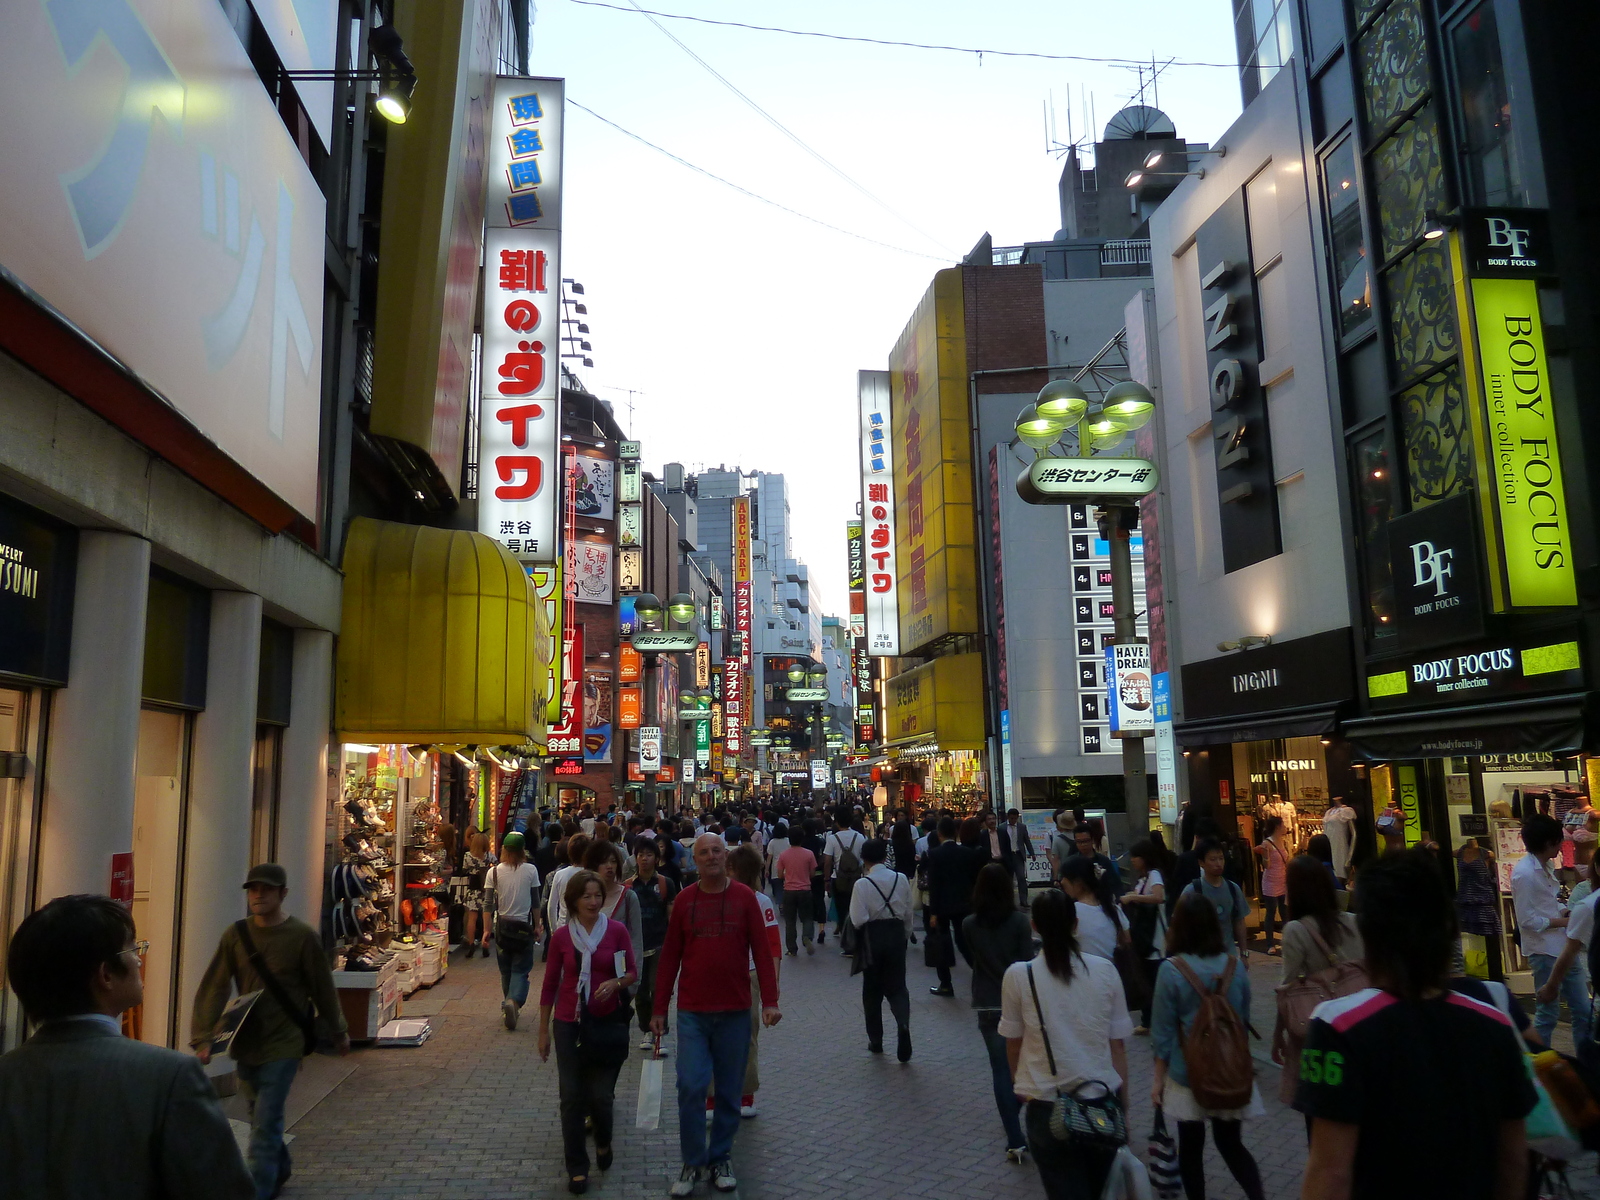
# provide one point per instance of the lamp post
(1114, 485)
(654, 636)
(809, 685)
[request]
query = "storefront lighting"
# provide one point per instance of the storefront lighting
(1153, 159)
(462, 758)
(1436, 224)
(362, 748)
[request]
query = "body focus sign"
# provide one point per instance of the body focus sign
(519, 423)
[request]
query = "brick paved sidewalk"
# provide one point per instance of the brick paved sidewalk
(472, 1114)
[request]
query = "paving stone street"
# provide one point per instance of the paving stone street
(472, 1113)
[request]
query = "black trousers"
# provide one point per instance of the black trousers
(586, 1091)
(819, 902)
(647, 987)
(884, 980)
(947, 928)
(1067, 1172)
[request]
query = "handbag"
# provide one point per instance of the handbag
(510, 935)
(1135, 984)
(305, 1020)
(1165, 1180)
(864, 955)
(1087, 1115)
(1299, 997)
(603, 1041)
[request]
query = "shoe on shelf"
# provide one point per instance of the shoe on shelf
(722, 1177)
(1018, 1155)
(508, 1010)
(941, 990)
(903, 1045)
(687, 1178)
(747, 1106)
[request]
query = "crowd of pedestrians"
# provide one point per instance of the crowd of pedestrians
(1412, 1079)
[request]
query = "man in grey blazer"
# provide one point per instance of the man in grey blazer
(85, 1112)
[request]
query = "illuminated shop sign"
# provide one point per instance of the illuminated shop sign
(1477, 672)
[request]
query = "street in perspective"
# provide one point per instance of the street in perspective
(890, 602)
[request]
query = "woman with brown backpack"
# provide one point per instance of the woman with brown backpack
(1199, 1033)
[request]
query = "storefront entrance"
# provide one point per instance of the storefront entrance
(160, 810)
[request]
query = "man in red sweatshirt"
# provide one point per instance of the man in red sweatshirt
(715, 929)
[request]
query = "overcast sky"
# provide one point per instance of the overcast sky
(741, 327)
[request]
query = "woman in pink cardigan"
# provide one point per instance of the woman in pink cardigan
(590, 968)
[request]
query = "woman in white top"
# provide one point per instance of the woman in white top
(1147, 917)
(1101, 924)
(1065, 1021)
(776, 845)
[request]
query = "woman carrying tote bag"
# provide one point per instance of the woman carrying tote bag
(1066, 1022)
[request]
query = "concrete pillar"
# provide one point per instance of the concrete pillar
(303, 795)
(94, 729)
(217, 846)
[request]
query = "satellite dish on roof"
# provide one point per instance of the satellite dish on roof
(1139, 122)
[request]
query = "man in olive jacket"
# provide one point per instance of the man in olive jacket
(272, 1040)
(84, 1111)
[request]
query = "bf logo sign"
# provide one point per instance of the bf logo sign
(1504, 236)
(1431, 566)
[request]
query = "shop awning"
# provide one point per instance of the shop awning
(443, 640)
(1312, 721)
(939, 703)
(1551, 725)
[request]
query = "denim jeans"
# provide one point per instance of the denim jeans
(712, 1046)
(514, 970)
(1574, 990)
(1005, 1095)
(266, 1090)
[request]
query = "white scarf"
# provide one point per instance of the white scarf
(586, 944)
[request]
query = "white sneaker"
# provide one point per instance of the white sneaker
(508, 1010)
(687, 1178)
(647, 1044)
(722, 1176)
(747, 1110)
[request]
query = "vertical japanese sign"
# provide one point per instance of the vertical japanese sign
(877, 516)
(860, 673)
(1166, 749)
(566, 737)
(519, 421)
(739, 675)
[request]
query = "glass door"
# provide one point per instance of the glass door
(160, 811)
(265, 772)
(16, 851)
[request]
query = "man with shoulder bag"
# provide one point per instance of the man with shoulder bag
(280, 958)
(515, 881)
(880, 911)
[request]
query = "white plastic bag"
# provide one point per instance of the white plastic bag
(1128, 1179)
(649, 1113)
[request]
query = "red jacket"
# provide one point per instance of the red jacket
(712, 936)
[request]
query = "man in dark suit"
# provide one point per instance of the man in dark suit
(84, 1111)
(1016, 833)
(952, 870)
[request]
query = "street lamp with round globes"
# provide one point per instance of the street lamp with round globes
(1038, 431)
(1130, 403)
(648, 609)
(681, 608)
(797, 673)
(1061, 400)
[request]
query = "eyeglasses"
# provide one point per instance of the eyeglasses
(139, 948)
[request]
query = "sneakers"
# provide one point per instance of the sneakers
(747, 1106)
(1018, 1155)
(722, 1176)
(687, 1178)
(508, 1010)
(647, 1044)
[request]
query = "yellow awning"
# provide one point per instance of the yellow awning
(443, 640)
(938, 704)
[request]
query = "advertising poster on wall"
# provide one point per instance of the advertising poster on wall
(597, 712)
(595, 488)
(590, 564)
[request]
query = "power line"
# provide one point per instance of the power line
(781, 127)
(840, 37)
(746, 191)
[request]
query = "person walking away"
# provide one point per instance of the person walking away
(776, 844)
(952, 871)
(555, 912)
(1339, 824)
(794, 869)
(880, 911)
(479, 899)
(1411, 1062)
(85, 1111)
(605, 859)
(269, 951)
(1021, 853)
(997, 935)
(1146, 909)
(1065, 1021)
(1574, 956)
(1198, 964)
(1102, 925)
(1542, 920)
(590, 969)
(655, 893)
(809, 836)
(903, 847)
(841, 865)
(1062, 846)
(715, 927)
(516, 882)
(744, 864)
(1274, 859)
(1316, 936)
(1226, 895)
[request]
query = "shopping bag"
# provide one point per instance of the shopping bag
(1128, 1179)
(649, 1112)
(1165, 1182)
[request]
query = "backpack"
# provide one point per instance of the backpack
(848, 869)
(1216, 1049)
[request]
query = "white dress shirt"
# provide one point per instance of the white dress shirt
(881, 894)
(1340, 826)
(1535, 894)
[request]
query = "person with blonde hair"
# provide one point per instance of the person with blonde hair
(478, 898)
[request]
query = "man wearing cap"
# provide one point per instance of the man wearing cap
(281, 957)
